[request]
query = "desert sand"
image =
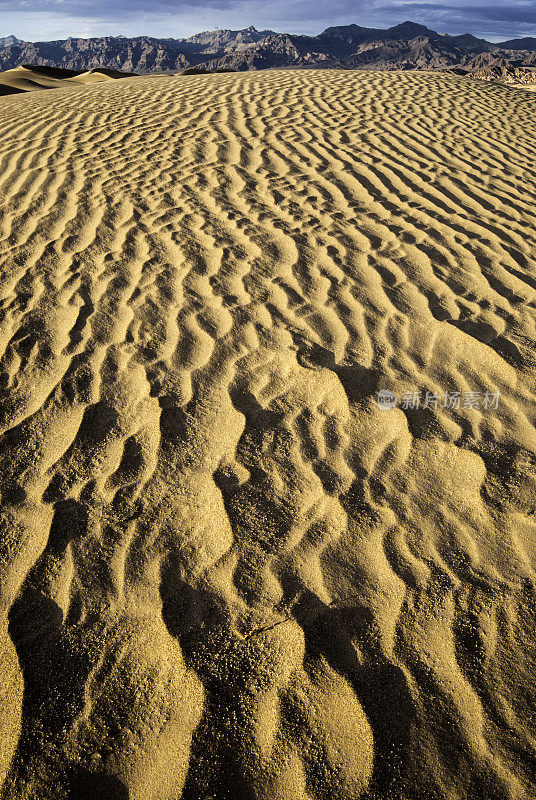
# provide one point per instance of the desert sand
(227, 572)
(31, 79)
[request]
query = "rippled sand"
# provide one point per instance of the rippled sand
(227, 573)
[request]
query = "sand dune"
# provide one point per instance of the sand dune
(32, 78)
(226, 571)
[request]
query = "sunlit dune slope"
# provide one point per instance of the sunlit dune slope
(32, 78)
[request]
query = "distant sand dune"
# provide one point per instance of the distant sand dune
(32, 78)
(226, 572)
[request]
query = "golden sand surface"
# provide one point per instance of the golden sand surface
(227, 573)
(25, 79)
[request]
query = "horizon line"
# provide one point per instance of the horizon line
(261, 30)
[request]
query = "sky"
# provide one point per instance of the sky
(41, 20)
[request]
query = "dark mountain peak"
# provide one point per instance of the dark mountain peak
(225, 34)
(527, 43)
(341, 40)
(345, 30)
(465, 37)
(353, 35)
(467, 41)
(9, 41)
(409, 30)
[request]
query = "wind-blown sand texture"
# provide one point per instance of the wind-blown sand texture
(226, 572)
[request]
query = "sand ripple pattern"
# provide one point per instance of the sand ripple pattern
(226, 573)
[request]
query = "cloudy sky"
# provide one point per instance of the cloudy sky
(56, 19)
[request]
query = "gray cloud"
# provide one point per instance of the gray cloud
(298, 9)
(510, 12)
(481, 19)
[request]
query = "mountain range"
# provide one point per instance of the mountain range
(405, 46)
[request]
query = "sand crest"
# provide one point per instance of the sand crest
(34, 78)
